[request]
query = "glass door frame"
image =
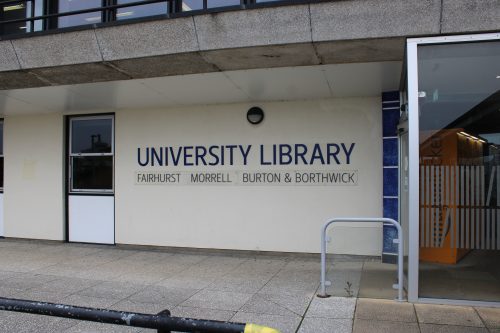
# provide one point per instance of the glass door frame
(414, 152)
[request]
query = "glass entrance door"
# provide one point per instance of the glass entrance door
(457, 96)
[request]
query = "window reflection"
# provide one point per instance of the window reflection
(91, 136)
(92, 173)
(222, 3)
(188, 5)
(159, 8)
(79, 19)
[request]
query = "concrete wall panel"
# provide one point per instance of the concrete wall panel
(470, 16)
(147, 39)
(8, 59)
(279, 25)
(58, 49)
(361, 19)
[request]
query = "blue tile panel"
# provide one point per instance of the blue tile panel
(391, 208)
(390, 233)
(390, 120)
(390, 182)
(390, 151)
(390, 96)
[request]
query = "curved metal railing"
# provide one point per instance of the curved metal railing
(398, 241)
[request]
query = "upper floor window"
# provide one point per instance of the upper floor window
(65, 6)
(21, 16)
(188, 5)
(152, 9)
(20, 10)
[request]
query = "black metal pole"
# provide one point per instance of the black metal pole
(162, 321)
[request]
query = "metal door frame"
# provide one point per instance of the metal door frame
(414, 151)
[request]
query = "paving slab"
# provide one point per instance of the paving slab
(490, 316)
(220, 300)
(186, 281)
(66, 285)
(285, 324)
(238, 284)
(434, 328)
(29, 323)
(377, 280)
(27, 281)
(113, 289)
(375, 326)
(168, 296)
(447, 315)
(332, 307)
(372, 309)
(139, 307)
(9, 292)
(88, 301)
(89, 327)
(323, 325)
(202, 313)
(283, 305)
(41, 296)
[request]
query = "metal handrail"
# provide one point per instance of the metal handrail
(398, 241)
(162, 321)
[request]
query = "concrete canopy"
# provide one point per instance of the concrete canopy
(297, 35)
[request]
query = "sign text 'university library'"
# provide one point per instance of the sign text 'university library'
(326, 154)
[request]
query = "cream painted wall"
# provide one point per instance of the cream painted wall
(265, 217)
(33, 201)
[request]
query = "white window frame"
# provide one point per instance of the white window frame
(71, 155)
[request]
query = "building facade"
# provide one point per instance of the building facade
(245, 125)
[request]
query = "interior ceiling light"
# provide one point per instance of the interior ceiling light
(498, 76)
(13, 7)
(471, 137)
(185, 8)
(124, 14)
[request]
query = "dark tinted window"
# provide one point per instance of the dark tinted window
(13, 11)
(92, 173)
(91, 136)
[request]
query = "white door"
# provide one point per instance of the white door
(91, 204)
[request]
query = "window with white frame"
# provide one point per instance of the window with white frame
(91, 154)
